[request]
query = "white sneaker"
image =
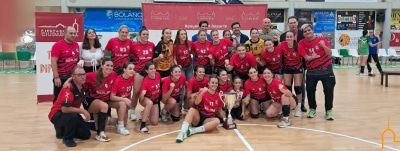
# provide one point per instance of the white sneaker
(284, 123)
(102, 138)
(297, 111)
(181, 137)
(164, 115)
(132, 116)
(122, 130)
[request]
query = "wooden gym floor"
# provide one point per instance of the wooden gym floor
(361, 110)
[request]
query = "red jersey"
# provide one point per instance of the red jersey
(65, 96)
(273, 90)
(194, 85)
(242, 66)
(209, 104)
(68, 56)
(122, 87)
(120, 51)
(102, 91)
(291, 58)
(179, 85)
(152, 87)
(224, 88)
(201, 51)
(256, 89)
(142, 53)
(273, 60)
(308, 47)
(183, 54)
(220, 52)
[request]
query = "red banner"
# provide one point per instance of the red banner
(394, 39)
(50, 26)
(188, 16)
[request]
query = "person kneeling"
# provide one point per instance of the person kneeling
(203, 117)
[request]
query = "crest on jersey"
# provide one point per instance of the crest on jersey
(259, 89)
(294, 54)
(73, 53)
(316, 47)
(106, 85)
(216, 102)
(150, 49)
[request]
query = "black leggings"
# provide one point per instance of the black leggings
(71, 125)
(328, 83)
(376, 60)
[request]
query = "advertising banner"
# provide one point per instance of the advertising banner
(355, 20)
(395, 29)
(50, 29)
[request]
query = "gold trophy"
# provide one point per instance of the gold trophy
(229, 101)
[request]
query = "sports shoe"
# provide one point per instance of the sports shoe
(328, 115)
(69, 142)
(181, 137)
(311, 113)
(284, 123)
(102, 138)
(297, 111)
(132, 116)
(303, 109)
(164, 115)
(122, 130)
(190, 132)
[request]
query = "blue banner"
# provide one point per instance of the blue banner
(324, 21)
(110, 19)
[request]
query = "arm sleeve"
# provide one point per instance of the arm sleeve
(55, 51)
(66, 97)
(158, 50)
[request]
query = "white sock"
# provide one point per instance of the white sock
(102, 133)
(298, 105)
(132, 110)
(199, 129)
(185, 126)
(120, 124)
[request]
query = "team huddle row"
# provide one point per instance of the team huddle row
(184, 74)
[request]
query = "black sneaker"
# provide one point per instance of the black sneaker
(69, 142)
(303, 109)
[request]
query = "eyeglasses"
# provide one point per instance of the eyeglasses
(80, 75)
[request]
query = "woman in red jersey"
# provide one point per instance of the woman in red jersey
(194, 85)
(149, 97)
(238, 111)
(256, 92)
(219, 52)
(120, 48)
(223, 81)
(292, 67)
(201, 50)
(271, 58)
(172, 87)
(317, 52)
(143, 52)
(121, 96)
(98, 86)
(203, 118)
(241, 62)
(283, 99)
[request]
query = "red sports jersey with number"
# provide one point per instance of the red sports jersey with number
(120, 51)
(194, 85)
(68, 56)
(291, 58)
(242, 66)
(273, 60)
(102, 91)
(220, 52)
(142, 53)
(256, 89)
(65, 96)
(224, 87)
(183, 54)
(122, 87)
(201, 52)
(179, 85)
(152, 87)
(273, 90)
(309, 47)
(209, 104)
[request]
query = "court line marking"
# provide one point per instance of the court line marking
(267, 125)
(243, 140)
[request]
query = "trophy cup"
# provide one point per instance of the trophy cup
(229, 100)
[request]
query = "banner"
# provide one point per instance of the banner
(355, 20)
(395, 29)
(50, 29)
(276, 15)
(347, 39)
(188, 16)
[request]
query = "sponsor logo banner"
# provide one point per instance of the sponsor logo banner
(50, 26)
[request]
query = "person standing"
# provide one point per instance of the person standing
(64, 57)
(239, 37)
(373, 52)
(363, 51)
(91, 53)
(268, 33)
(65, 112)
(203, 26)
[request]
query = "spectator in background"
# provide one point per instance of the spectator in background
(241, 38)
(203, 26)
(267, 32)
(373, 52)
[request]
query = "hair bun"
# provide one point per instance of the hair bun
(143, 28)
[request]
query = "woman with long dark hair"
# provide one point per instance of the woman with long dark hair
(202, 55)
(91, 53)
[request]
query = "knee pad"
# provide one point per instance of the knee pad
(297, 89)
(253, 115)
(175, 119)
(289, 87)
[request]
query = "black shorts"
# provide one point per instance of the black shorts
(202, 119)
(278, 72)
(164, 73)
(208, 69)
(88, 101)
(216, 69)
(292, 70)
(262, 100)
